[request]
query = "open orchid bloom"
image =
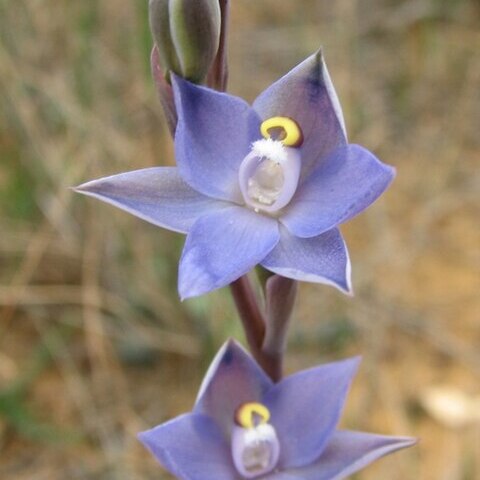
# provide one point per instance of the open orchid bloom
(245, 426)
(264, 184)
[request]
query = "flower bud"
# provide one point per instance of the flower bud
(187, 34)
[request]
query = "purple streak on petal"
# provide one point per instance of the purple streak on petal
(305, 409)
(322, 259)
(306, 95)
(343, 185)
(222, 247)
(191, 447)
(157, 195)
(214, 133)
(232, 379)
(346, 453)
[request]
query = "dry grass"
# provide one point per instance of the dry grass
(95, 346)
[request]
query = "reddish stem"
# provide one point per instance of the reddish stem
(253, 322)
(218, 75)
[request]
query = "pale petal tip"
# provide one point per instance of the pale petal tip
(353, 363)
(78, 188)
(191, 288)
(188, 288)
(87, 188)
(399, 443)
(319, 55)
(409, 441)
(145, 438)
(142, 437)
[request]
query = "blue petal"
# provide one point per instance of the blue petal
(322, 259)
(222, 247)
(346, 453)
(305, 409)
(191, 447)
(233, 378)
(306, 95)
(343, 184)
(214, 133)
(157, 195)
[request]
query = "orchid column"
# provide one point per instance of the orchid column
(261, 186)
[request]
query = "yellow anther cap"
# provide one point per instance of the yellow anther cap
(288, 130)
(249, 415)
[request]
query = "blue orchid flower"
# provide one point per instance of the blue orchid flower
(245, 426)
(264, 184)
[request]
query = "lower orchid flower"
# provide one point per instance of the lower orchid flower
(244, 426)
(264, 184)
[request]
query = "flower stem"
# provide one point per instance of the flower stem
(253, 322)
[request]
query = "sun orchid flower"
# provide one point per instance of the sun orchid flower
(245, 426)
(263, 184)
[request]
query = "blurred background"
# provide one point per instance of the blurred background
(94, 343)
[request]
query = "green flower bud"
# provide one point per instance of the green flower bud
(187, 34)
